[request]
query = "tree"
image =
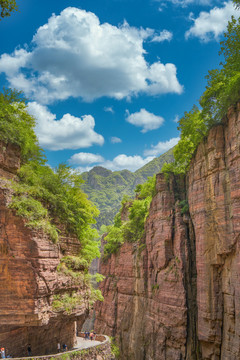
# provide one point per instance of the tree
(17, 126)
(6, 7)
(223, 84)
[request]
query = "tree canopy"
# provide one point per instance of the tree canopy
(222, 91)
(7, 7)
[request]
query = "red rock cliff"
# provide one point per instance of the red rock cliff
(29, 278)
(177, 295)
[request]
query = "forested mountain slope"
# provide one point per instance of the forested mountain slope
(106, 188)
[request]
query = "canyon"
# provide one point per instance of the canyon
(176, 294)
(29, 279)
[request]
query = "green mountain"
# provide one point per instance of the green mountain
(106, 188)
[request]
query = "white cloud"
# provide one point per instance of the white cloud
(73, 55)
(161, 147)
(210, 25)
(108, 109)
(115, 140)
(69, 132)
(145, 119)
(120, 162)
(85, 158)
(82, 169)
(164, 35)
(184, 3)
(176, 119)
(123, 161)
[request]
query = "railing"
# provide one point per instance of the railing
(75, 352)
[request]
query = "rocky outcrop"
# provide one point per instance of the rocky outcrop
(175, 295)
(29, 278)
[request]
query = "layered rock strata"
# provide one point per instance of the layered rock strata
(176, 294)
(29, 278)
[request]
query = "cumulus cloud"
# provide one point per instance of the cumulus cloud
(108, 109)
(120, 162)
(85, 158)
(144, 119)
(115, 140)
(73, 55)
(164, 35)
(161, 147)
(176, 119)
(69, 132)
(184, 3)
(210, 25)
(123, 161)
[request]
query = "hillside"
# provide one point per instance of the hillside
(106, 188)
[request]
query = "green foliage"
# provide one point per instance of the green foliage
(184, 206)
(133, 229)
(114, 348)
(7, 7)
(96, 295)
(36, 215)
(237, 3)
(155, 287)
(43, 194)
(222, 91)
(147, 189)
(50, 199)
(193, 129)
(75, 263)
(107, 189)
(223, 88)
(98, 277)
(114, 240)
(17, 126)
(66, 302)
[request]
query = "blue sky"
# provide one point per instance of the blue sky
(107, 80)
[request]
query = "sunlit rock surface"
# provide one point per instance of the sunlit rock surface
(176, 295)
(29, 278)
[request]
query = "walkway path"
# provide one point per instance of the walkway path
(84, 344)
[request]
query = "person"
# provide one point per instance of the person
(91, 335)
(29, 350)
(3, 353)
(64, 347)
(58, 347)
(85, 335)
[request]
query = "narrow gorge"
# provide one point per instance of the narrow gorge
(176, 294)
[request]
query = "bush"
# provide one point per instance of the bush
(17, 126)
(66, 302)
(222, 91)
(133, 229)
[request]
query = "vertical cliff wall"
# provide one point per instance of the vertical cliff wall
(29, 278)
(176, 294)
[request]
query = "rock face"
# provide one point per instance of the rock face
(176, 295)
(29, 278)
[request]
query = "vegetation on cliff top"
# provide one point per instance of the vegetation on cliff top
(132, 229)
(222, 91)
(51, 200)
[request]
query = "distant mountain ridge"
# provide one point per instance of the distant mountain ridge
(106, 188)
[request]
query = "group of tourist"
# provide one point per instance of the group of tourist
(89, 335)
(64, 347)
(3, 353)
